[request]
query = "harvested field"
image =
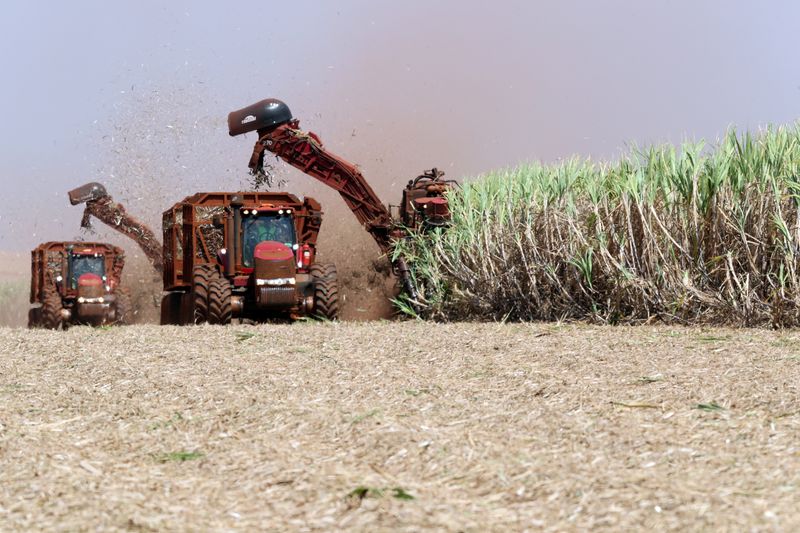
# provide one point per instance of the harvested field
(399, 426)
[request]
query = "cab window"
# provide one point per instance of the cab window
(278, 228)
(86, 264)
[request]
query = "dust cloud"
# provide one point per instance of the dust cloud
(167, 143)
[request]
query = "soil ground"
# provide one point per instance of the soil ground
(399, 426)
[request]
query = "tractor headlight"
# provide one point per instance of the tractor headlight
(277, 281)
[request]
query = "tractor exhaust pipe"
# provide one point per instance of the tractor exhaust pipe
(234, 247)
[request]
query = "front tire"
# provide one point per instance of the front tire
(123, 311)
(326, 291)
(201, 281)
(51, 317)
(219, 300)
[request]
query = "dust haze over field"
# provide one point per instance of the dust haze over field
(141, 106)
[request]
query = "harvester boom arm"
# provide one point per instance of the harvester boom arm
(100, 205)
(279, 132)
(304, 151)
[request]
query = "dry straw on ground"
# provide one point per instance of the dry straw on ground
(399, 426)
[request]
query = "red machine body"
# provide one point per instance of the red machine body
(247, 255)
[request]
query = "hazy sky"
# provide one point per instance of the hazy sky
(135, 94)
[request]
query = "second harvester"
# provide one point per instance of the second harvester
(77, 283)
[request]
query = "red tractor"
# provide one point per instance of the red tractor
(77, 283)
(246, 255)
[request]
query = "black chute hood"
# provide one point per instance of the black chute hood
(264, 115)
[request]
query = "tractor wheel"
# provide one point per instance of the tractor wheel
(326, 291)
(124, 311)
(219, 300)
(34, 317)
(51, 310)
(172, 309)
(201, 279)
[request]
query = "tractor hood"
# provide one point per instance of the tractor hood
(90, 286)
(276, 283)
(273, 261)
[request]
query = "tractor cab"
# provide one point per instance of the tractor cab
(84, 264)
(267, 224)
(270, 248)
(87, 281)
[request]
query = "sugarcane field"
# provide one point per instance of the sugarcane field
(374, 267)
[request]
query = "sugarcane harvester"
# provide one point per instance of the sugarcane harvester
(424, 202)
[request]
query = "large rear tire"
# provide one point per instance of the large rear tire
(201, 280)
(124, 311)
(219, 300)
(326, 291)
(52, 307)
(34, 317)
(177, 309)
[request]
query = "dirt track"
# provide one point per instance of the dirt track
(484, 426)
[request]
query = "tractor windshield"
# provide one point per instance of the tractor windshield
(85, 264)
(269, 227)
